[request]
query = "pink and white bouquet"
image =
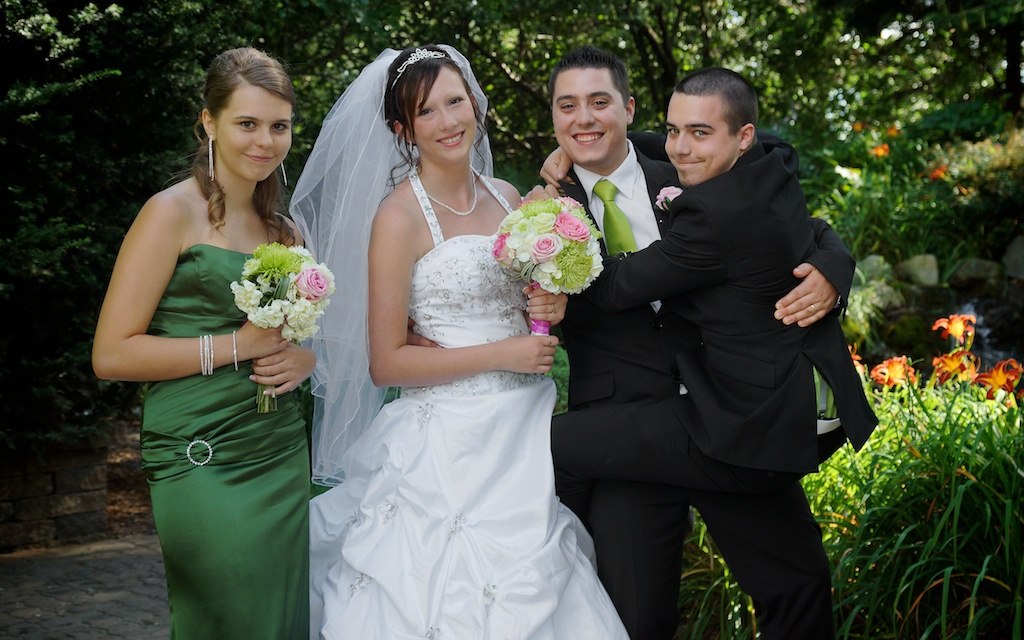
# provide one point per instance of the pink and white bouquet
(551, 243)
(283, 287)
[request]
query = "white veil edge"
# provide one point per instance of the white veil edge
(344, 180)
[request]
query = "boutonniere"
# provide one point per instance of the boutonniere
(665, 197)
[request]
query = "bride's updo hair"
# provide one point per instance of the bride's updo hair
(410, 78)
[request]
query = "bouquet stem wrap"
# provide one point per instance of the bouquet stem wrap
(539, 327)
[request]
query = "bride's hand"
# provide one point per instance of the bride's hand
(542, 305)
(528, 354)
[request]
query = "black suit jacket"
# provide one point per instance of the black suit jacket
(726, 258)
(621, 356)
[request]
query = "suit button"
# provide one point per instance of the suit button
(658, 324)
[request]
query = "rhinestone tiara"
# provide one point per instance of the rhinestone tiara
(416, 56)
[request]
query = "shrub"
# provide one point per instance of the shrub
(97, 117)
(896, 194)
(925, 525)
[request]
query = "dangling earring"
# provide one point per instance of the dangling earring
(211, 157)
(284, 176)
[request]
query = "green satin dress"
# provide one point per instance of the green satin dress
(234, 521)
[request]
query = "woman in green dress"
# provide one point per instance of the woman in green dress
(229, 486)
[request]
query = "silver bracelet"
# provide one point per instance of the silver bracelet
(234, 350)
(206, 355)
(202, 356)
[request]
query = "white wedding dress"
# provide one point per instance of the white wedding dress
(447, 526)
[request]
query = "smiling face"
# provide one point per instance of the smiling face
(444, 126)
(590, 119)
(251, 135)
(698, 140)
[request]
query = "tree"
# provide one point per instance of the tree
(942, 52)
(97, 111)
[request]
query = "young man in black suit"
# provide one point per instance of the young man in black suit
(741, 430)
(627, 357)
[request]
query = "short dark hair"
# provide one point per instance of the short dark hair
(589, 57)
(737, 93)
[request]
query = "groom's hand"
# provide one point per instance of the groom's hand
(556, 168)
(414, 339)
(542, 305)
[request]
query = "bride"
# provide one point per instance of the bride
(442, 522)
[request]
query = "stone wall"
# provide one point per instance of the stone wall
(58, 498)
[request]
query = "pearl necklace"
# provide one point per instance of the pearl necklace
(468, 211)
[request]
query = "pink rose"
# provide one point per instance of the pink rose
(572, 228)
(312, 284)
(500, 250)
(545, 247)
(665, 197)
(570, 203)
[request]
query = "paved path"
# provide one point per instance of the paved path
(105, 590)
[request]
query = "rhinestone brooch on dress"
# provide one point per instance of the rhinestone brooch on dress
(202, 443)
(457, 523)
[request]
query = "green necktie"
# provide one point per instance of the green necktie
(618, 235)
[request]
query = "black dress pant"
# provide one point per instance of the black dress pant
(760, 520)
(639, 531)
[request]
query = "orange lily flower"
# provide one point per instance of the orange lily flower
(959, 365)
(857, 364)
(892, 131)
(895, 371)
(957, 326)
(940, 172)
(858, 126)
(1004, 375)
(881, 150)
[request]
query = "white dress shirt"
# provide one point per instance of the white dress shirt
(632, 198)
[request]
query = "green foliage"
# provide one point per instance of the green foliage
(989, 182)
(925, 525)
(872, 293)
(889, 193)
(560, 374)
(97, 116)
(920, 53)
(711, 603)
(972, 121)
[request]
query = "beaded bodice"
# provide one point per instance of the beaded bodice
(461, 296)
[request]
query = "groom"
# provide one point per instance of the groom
(627, 357)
